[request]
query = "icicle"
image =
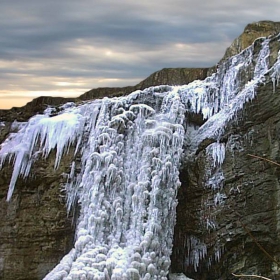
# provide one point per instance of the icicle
(262, 61)
(60, 132)
(275, 75)
(217, 151)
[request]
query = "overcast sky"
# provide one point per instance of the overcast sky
(66, 47)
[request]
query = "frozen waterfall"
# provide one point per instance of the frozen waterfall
(131, 149)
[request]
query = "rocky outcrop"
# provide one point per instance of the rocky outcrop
(173, 76)
(251, 32)
(37, 105)
(229, 234)
(166, 76)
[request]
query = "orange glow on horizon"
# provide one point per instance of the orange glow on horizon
(8, 103)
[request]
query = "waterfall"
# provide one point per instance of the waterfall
(131, 149)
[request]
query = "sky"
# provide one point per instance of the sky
(67, 47)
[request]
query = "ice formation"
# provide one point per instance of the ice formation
(131, 149)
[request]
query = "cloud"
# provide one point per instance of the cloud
(68, 45)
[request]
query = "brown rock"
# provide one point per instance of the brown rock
(35, 231)
(251, 32)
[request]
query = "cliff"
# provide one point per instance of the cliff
(249, 35)
(35, 231)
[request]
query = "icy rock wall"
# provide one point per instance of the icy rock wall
(197, 254)
(131, 149)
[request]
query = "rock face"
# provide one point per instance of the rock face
(35, 230)
(249, 35)
(234, 229)
(247, 218)
(37, 105)
(229, 233)
(251, 32)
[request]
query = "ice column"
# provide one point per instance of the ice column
(128, 192)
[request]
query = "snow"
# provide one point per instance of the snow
(131, 150)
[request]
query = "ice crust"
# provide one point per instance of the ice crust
(131, 149)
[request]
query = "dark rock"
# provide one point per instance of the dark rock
(36, 106)
(35, 230)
